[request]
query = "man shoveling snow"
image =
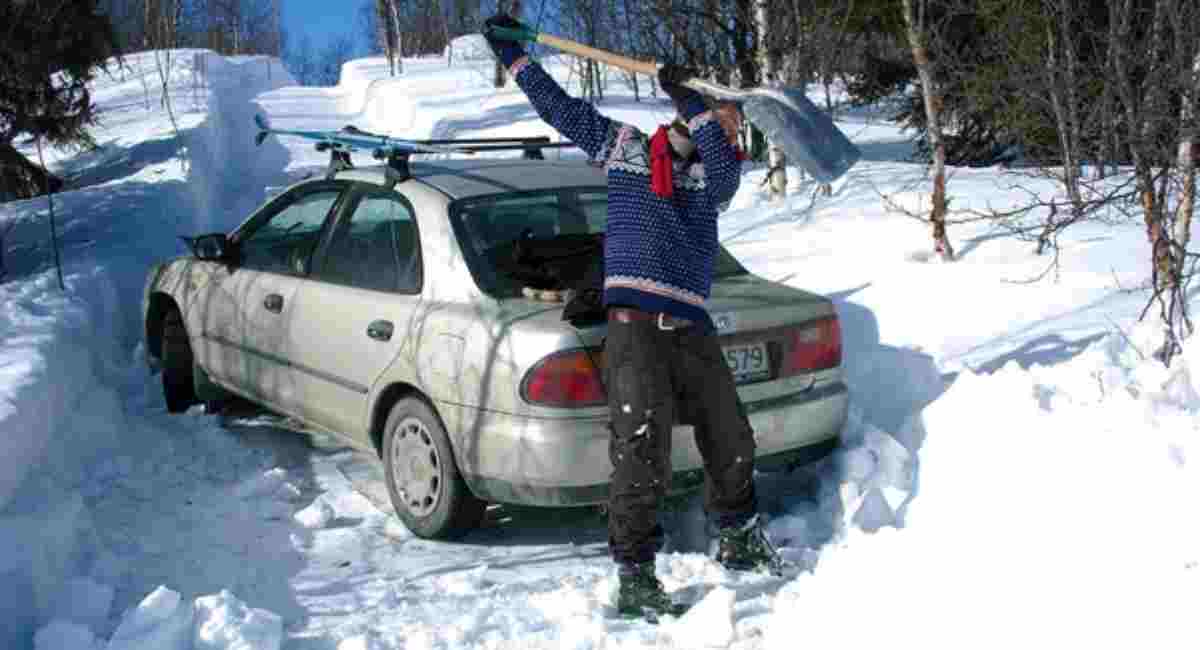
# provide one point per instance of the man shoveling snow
(661, 350)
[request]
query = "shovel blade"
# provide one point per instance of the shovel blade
(806, 134)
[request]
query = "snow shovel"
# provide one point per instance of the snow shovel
(789, 120)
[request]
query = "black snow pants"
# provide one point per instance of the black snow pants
(655, 378)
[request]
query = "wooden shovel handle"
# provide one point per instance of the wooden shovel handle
(604, 56)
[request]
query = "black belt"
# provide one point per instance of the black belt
(663, 320)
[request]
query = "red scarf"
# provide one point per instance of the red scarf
(660, 163)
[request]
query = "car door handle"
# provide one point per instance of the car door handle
(273, 302)
(381, 330)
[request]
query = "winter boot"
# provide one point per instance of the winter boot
(641, 594)
(747, 548)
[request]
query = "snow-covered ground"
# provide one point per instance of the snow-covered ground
(1054, 503)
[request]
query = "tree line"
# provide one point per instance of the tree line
(228, 27)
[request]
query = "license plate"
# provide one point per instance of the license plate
(748, 361)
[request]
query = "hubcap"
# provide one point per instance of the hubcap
(416, 467)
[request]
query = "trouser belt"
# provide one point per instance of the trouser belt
(663, 320)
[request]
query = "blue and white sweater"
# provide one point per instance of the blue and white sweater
(658, 252)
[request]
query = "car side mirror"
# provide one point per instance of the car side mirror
(212, 248)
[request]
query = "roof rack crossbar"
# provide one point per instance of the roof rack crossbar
(536, 139)
(541, 139)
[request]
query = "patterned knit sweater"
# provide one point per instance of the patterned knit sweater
(658, 252)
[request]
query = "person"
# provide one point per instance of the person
(661, 351)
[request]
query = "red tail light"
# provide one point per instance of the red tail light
(570, 379)
(813, 346)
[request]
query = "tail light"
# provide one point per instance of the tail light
(813, 346)
(571, 379)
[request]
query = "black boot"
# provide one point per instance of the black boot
(641, 594)
(747, 548)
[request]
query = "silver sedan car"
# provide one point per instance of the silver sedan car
(382, 311)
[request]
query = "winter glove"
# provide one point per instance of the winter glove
(688, 102)
(506, 51)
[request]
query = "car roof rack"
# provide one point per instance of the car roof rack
(397, 158)
(395, 152)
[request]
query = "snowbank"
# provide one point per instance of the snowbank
(63, 354)
(1056, 508)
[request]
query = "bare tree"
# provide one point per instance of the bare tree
(387, 25)
(394, 11)
(777, 162)
(917, 18)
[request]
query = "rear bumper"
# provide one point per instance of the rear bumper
(564, 461)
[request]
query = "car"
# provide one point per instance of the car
(379, 309)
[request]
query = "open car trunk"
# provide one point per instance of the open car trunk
(567, 269)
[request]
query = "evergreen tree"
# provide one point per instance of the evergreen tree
(52, 50)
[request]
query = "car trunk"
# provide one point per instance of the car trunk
(757, 321)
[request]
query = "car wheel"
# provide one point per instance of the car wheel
(423, 482)
(178, 387)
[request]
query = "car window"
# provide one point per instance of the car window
(594, 206)
(286, 241)
(488, 226)
(376, 248)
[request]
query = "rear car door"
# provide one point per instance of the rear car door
(249, 311)
(352, 317)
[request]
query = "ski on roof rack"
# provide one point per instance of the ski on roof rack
(396, 151)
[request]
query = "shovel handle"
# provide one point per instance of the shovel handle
(524, 33)
(649, 68)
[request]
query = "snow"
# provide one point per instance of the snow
(161, 620)
(1014, 471)
(318, 514)
(470, 47)
(225, 623)
(708, 624)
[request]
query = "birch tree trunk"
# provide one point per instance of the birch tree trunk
(1060, 78)
(914, 17)
(776, 161)
(1155, 213)
(384, 33)
(149, 19)
(394, 5)
(1187, 199)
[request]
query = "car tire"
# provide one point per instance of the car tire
(423, 481)
(177, 377)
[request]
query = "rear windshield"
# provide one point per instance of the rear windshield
(487, 227)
